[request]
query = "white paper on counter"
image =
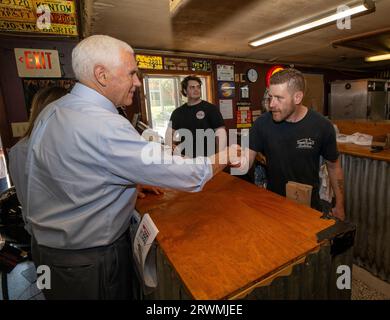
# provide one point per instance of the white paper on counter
(226, 108)
(146, 233)
(356, 138)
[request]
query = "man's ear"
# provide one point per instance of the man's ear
(101, 75)
(298, 97)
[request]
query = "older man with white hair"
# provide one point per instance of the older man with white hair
(84, 161)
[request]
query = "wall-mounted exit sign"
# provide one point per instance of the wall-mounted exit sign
(37, 63)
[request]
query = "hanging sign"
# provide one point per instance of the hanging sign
(149, 62)
(201, 65)
(175, 64)
(33, 16)
(37, 63)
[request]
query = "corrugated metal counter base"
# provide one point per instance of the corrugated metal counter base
(367, 194)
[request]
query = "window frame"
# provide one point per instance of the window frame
(152, 74)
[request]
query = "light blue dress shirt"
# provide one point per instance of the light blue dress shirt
(83, 163)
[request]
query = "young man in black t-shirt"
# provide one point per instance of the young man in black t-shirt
(199, 119)
(293, 138)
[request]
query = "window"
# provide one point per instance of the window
(163, 96)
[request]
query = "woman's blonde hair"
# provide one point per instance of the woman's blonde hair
(40, 100)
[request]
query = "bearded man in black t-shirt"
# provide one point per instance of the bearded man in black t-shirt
(197, 124)
(293, 138)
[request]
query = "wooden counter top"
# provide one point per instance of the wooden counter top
(231, 235)
(373, 128)
(363, 151)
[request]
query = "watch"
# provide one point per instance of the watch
(252, 75)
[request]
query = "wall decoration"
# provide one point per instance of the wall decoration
(226, 108)
(270, 72)
(225, 72)
(240, 77)
(244, 92)
(244, 117)
(149, 62)
(32, 16)
(255, 114)
(201, 65)
(252, 75)
(226, 89)
(245, 104)
(175, 64)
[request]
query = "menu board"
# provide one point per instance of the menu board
(149, 62)
(175, 64)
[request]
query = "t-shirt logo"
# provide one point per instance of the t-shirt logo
(305, 143)
(200, 115)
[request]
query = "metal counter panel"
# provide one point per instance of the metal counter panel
(367, 194)
(315, 278)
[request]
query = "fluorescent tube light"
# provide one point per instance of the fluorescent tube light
(380, 57)
(310, 25)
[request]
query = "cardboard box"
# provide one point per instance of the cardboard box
(381, 141)
(299, 192)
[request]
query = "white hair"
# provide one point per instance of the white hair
(97, 49)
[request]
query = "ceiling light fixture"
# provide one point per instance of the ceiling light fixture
(380, 57)
(367, 7)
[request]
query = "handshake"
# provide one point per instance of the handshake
(232, 156)
(235, 155)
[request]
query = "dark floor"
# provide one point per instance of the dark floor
(22, 285)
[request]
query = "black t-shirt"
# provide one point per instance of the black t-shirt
(293, 150)
(202, 116)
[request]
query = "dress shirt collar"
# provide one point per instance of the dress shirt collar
(89, 94)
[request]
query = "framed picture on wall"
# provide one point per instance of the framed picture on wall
(244, 92)
(31, 86)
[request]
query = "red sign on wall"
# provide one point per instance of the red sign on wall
(244, 117)
(270, 73)
(37, 63)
